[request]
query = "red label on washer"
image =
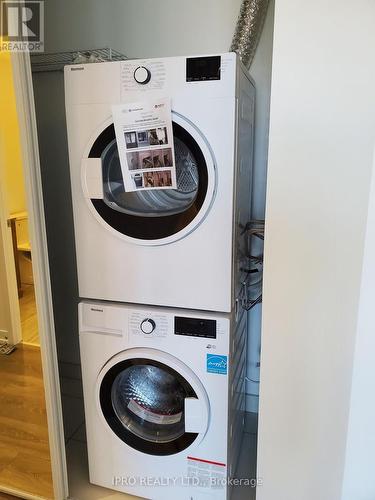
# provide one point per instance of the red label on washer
(207, 461)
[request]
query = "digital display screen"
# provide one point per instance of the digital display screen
(195, 327)
(199, 69)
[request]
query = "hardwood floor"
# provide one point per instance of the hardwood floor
(4, 496)
(24, 449)
(29, 322)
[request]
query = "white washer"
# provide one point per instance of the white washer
(164, 399)
(184, 247)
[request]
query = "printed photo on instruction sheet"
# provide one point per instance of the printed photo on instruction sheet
(144, 137)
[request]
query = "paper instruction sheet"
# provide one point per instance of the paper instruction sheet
(144, 138)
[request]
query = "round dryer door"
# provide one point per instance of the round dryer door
(151, 406)
(156, 216)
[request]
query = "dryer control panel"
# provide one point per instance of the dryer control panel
(201, 69)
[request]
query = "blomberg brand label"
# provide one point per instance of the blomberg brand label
(150, 416)
(217, 363)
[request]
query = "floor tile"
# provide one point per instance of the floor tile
(81, 489)
(80, 434)
(246, 470)
(251, 422)
(79, 485)
(71, 387)
(73, 415)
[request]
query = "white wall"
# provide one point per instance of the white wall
(144, 28)
(321, 145)
(261, 72)
(359, 480)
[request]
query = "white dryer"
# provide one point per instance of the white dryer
(164, 399)
(184, 247)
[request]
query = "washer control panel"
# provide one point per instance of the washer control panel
(195, 327)
(148, 326)
(142, 323)
(153, 324)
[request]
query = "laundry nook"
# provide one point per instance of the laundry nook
(187, 231)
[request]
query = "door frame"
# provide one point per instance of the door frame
(15, 333)
(23, 88)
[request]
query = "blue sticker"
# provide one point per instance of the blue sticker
(217, 364)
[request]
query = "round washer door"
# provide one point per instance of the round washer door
(152, 401)
(159, 216)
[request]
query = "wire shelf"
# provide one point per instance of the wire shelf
(56, 61)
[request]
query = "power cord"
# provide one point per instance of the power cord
(253, 228)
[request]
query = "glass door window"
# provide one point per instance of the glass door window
(154, 214)
(143, 402)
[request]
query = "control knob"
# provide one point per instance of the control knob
(142, 75)
(148, 325)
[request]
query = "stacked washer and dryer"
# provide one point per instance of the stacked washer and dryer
(162, 277)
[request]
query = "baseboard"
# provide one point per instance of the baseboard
(20, 494)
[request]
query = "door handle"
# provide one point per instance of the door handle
(194, 416)
(92, 177)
